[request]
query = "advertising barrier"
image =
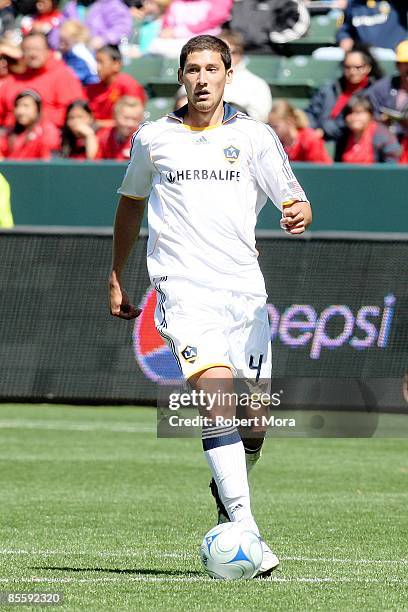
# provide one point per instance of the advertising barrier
(80, 193)
(338, 310)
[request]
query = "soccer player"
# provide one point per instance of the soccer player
(206, 171)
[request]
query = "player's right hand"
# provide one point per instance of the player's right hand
(120, 305)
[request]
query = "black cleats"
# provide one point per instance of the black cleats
(222, 513)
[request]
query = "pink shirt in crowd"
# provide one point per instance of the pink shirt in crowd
(189, 18)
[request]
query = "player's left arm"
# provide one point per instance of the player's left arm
(296, 217)
(275, 177)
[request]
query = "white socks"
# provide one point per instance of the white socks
(225, 455)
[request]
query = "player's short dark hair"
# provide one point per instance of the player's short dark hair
(29, 93)
(112, 51)
(206, 42)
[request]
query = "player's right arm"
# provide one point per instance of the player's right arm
(128, 220)
(134, 191)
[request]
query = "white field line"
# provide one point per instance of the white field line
(187, 579)
(357, 561)
(69, 426)
(185, 555)
(103, 553)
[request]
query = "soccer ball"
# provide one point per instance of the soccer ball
(230, 551)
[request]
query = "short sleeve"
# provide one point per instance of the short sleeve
(273, 172)
(137, 182)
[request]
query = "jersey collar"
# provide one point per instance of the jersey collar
(229, 113)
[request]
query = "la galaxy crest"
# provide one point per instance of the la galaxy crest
(189, 353)
(231, 154)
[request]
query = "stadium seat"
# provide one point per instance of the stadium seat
(295, 102)
(169, 68)
(165, 83)
(300, 75)
(158, 107)
(265, 66)
(144, 69)
(321, 33)
(388, 67)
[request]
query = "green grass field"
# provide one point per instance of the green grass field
(95, 506)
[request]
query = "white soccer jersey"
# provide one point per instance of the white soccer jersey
(206, 188)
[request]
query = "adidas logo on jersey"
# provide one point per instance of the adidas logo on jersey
(201, 140)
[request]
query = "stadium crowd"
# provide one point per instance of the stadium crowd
(63, 91)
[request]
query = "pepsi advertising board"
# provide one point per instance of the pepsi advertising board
(338, 310)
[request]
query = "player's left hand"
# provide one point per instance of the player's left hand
(296, 217)
(120, 305)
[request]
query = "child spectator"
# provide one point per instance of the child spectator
(73, 10)
(301, 143)
(79, 140)
(115, 142)
(326, 108)
(113, 85)
(50, 78)
(365, 141)
(29, 137)
(48, 17)
(72, 44)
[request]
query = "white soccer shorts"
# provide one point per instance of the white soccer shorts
(207, 327)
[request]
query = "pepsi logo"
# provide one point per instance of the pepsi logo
(151, 351)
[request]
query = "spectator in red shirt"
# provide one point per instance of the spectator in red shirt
(47, 18)
(29, 138)
(365, 141)
(79, 140)
(115, 142)
(113, 85)
(404, 156)
(50, 78)
(300, 142)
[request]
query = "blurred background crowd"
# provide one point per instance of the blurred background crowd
(77, 77)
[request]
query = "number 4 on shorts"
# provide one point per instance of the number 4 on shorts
(256, 367)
